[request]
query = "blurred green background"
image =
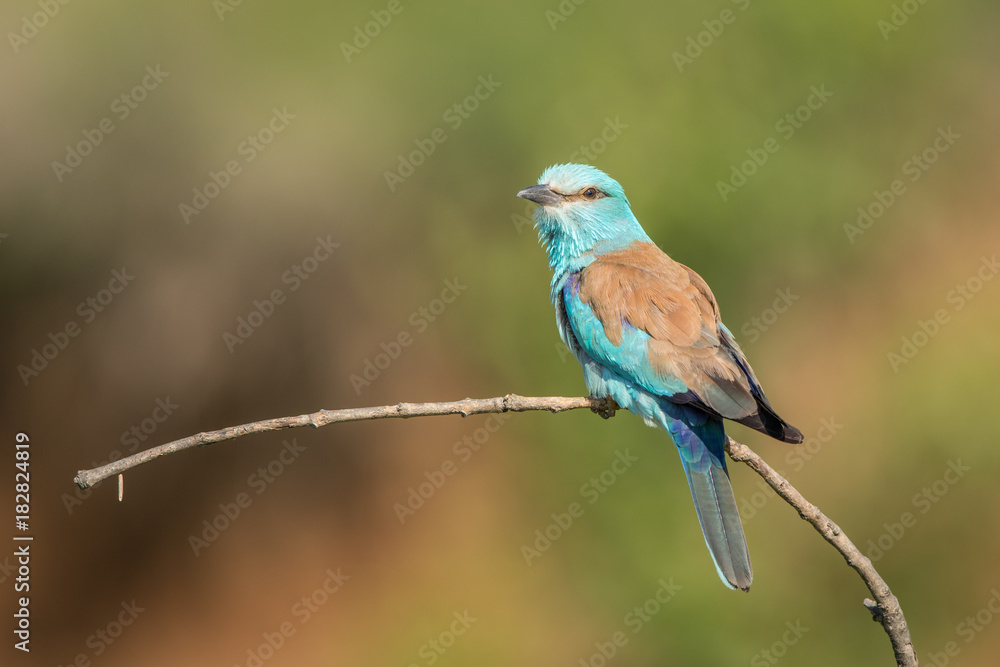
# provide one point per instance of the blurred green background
(214, 78)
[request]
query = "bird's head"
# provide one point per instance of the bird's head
(580, 209)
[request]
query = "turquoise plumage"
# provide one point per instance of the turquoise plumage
(648, 334)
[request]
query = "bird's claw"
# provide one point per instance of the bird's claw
(607, 411)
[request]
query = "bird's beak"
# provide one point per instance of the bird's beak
(541, 194)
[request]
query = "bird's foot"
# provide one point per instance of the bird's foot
(606, 409)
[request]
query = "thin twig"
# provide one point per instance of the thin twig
(469, 406)
(885, 608)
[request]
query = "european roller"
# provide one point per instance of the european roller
(647, 331)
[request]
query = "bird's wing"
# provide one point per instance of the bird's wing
(656, 322)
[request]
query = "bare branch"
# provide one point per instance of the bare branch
(885, 608)
(469, 406)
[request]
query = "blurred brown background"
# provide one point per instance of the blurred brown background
(308, 114)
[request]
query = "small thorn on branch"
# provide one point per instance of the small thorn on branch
(875, 609)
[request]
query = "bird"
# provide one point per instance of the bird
(647, 332)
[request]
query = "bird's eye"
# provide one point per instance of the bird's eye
(590, 193)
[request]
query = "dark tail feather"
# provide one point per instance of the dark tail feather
(720, 522)
(767, 421)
